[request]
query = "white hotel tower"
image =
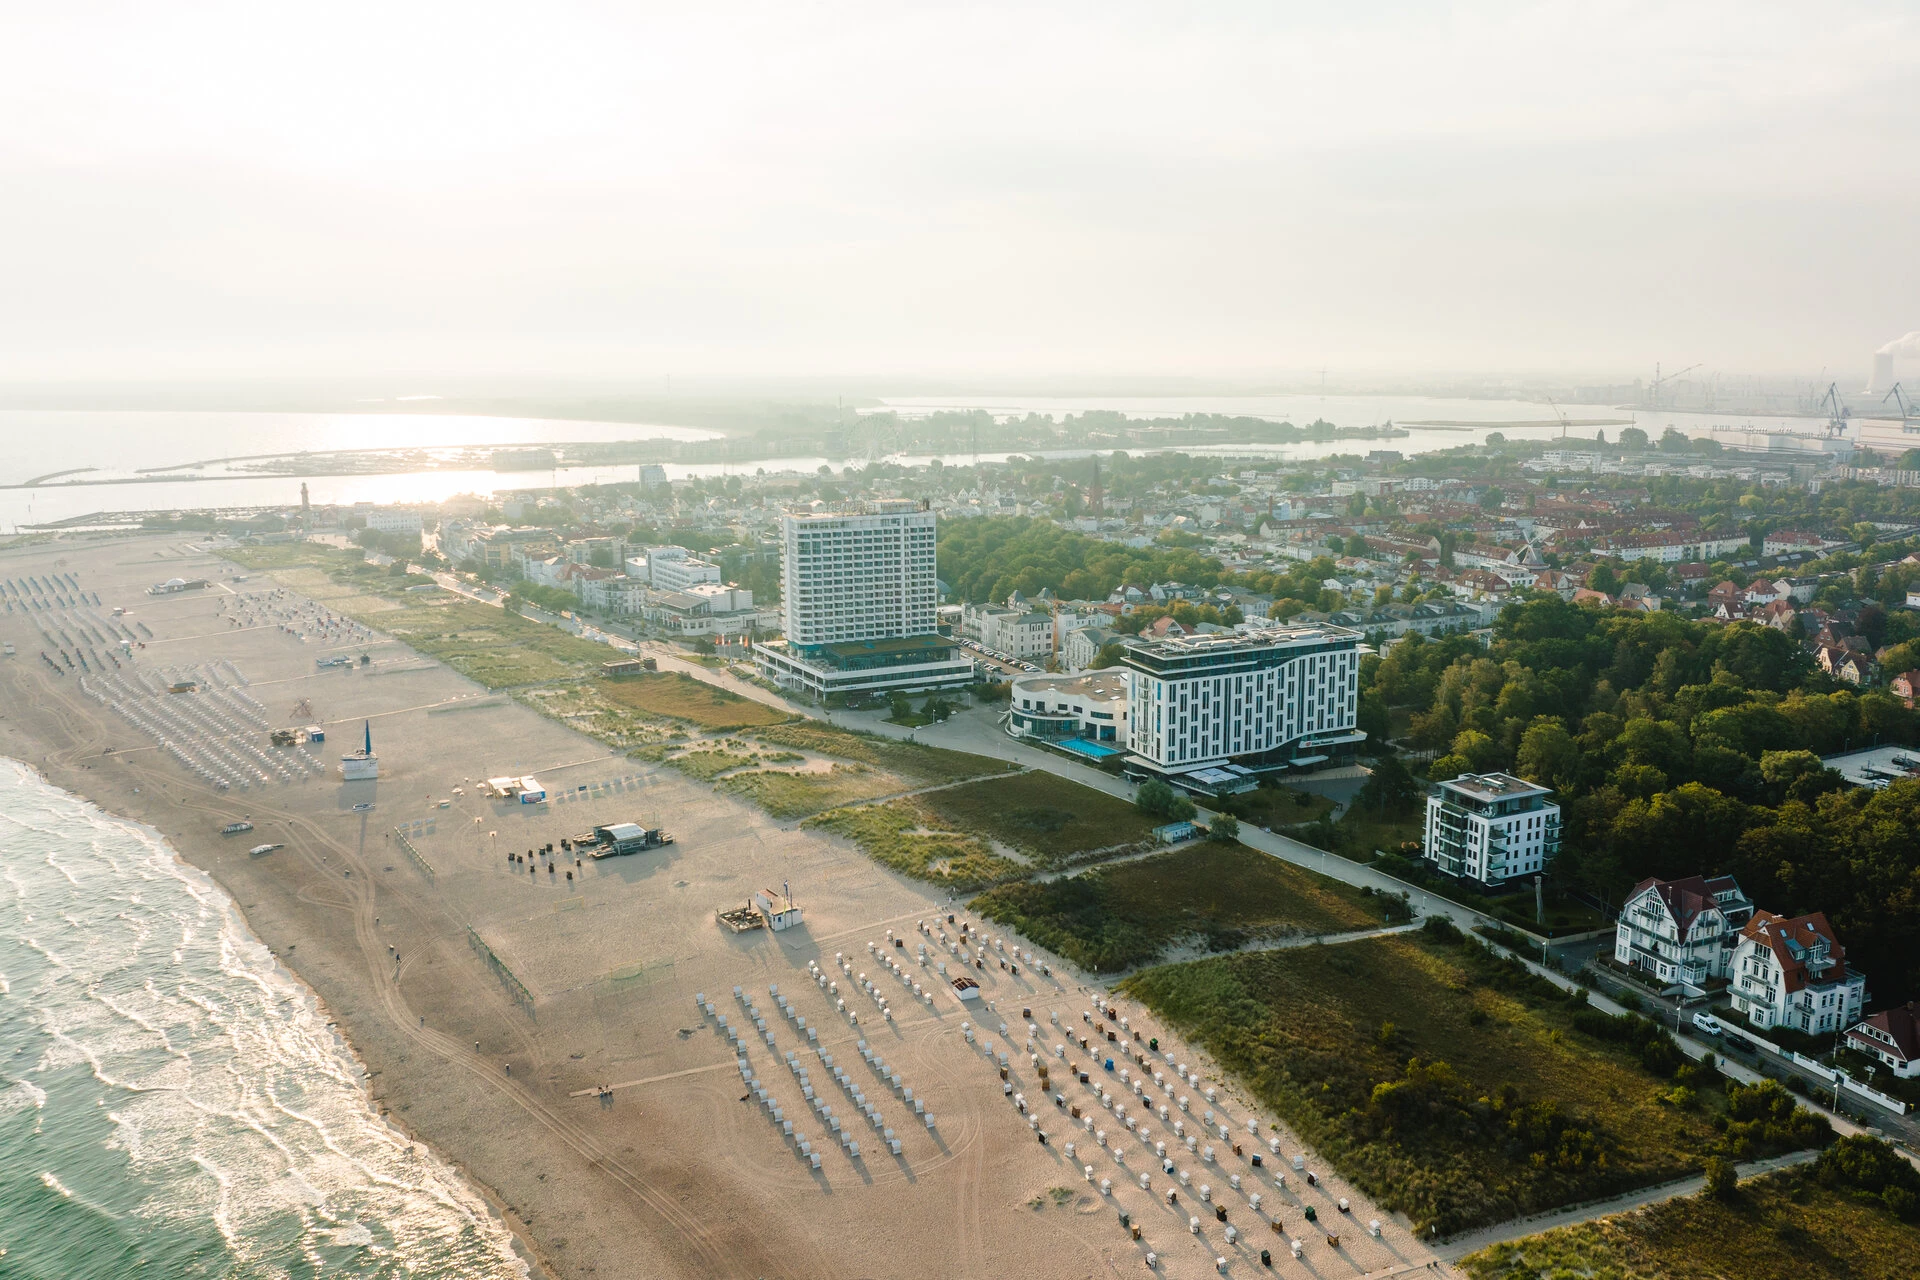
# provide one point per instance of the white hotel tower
(859, 600)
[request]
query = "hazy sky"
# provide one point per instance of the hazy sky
(629, 189)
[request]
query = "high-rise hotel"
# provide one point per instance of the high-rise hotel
(859, 600)
(1217, 710)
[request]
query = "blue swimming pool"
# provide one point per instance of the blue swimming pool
(1092, 750)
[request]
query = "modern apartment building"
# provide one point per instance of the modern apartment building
(859, 605)
(1090, 706)
(1266, 699)
(1794, 973)
(676, 569)
(1682, 931)
(1491, 827)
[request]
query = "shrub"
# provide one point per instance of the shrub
(1722, 1182)
(1224, 828)
(1158, 800)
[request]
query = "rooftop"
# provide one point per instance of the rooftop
(1110, 683)
(1245, 641)
(1495, 786)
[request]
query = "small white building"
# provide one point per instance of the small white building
(1682, 931)
(778, 908)
(1893, 1037)
(1091, 706)
(1793, 973)
(1491, 827)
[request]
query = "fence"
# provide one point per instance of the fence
(521, 996)
(418, 859)
(1816, 1068)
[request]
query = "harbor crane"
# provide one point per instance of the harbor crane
(1660, 380)
(1561, 414)
(1899, 398)
(1837, 419)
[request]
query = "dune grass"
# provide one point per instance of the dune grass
(1785, 1226)
(901, 835)
(679, 696)
(798, 795)
(1039, 813)
(1453, 1086)
(926, 766)
(1215, 895)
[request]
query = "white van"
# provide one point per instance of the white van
(1707, 1023)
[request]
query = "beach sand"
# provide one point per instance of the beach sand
(673, 1175)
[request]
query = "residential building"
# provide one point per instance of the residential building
(1092, 706)
(1082, 646)
(1893, 1037)
(505, 548)
(1269, 698)
(1491, 827)
(674, 568)
(859, 605)
(1794, 973)
(1019, 635)
(615, 594)
(705, 609)
(1682, 931)
(389, 519)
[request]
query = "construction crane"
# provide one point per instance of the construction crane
(1561, 414)
(1661, 380)
(1837, 418)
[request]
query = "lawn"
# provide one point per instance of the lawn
(927, 766)
(1453, 1086)
(1217, 895)
(1785, 1226)
(1055, 820)
(796, 795)
(898, 835)
(501, 650)
(681, 697)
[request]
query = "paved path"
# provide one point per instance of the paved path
(1460, 1246)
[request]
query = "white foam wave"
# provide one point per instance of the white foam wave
(231, 1099)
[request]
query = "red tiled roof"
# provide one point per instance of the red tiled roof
(1902, 1025)
(1795, 943)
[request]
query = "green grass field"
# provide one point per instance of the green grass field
(1215, 895)
(1054, 820)
(926, 766)
(681, 697)
(1450, 1085)
(901, 836)
(798, 795)
(1275, 807)
(1785, 1226)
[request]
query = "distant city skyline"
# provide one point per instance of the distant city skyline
(1236, 191)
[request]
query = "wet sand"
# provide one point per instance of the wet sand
(673, 1175)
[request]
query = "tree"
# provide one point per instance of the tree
(1632, 438)
(1158, 800)
(1722, 1182)
(1548, 755)
(1389, 791)
(1224, 828)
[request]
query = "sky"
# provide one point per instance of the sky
(636, 190)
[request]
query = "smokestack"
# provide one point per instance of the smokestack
(1882, 373)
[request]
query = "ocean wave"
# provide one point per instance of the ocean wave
(221, 1099)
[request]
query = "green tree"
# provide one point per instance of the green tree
(1548, 755)
(1224, 828)
(1722, 1182)
(1158, 800)
(1633, 439)
(1389, 791)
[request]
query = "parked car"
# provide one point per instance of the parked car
(1707, 1024)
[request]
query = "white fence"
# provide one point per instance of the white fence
(1817, 1068)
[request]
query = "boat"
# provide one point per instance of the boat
(235, 828)
(261, 850)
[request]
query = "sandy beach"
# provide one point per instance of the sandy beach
(672, 1173)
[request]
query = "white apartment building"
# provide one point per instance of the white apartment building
(673, 569)
(1793, 973)
(860, 606)
(1092, 706)
(858, 577)
(1682, 931)
(1491, 827)
(1267, 698)
(390, 519)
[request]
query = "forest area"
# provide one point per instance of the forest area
(1678, 748)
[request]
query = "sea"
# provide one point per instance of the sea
(69, 452)
(172, 1101)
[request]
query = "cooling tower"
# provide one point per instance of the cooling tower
(1882, 373)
